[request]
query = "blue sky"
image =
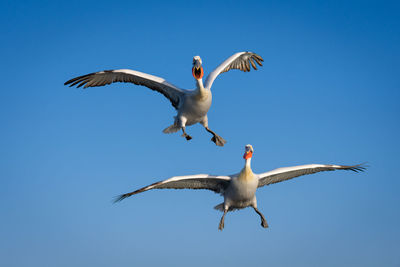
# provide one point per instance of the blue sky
(328, 93)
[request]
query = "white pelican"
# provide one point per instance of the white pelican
(191, 105)
(239, 189)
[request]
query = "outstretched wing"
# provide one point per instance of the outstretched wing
(283, 174)
(240, 61)
(102, 78)
(199, 181)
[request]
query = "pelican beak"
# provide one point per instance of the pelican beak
(197, 64)
(248, 154)
(197, 70)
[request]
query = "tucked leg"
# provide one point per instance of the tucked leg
(222, 222)
(263, 220)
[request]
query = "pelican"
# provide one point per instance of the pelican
(191, 105)
(239, 190)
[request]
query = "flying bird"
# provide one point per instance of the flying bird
(239, 190)
(191, 105)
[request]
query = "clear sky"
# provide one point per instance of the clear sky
(328, 93)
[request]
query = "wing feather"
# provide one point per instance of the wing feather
(240, 61)
(283, 174)
(199, 181)
(253, 64)
(101, 78)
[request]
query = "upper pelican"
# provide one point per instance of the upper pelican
(239, 190)
(191, 105)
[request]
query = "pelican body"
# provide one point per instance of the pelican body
(239, 190)
(191, 105)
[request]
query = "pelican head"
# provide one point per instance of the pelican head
(197, 69)
(248, 151)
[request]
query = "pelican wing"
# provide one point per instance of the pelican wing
(102, 78)
(198, 181)
(240, 61)
(283, 174)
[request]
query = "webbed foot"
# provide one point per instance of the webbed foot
(264, 223)
(188, 137)
(218, 140)
(222, 222)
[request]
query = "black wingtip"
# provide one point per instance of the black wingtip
(120, 198)
(68, 82)
(359, 167)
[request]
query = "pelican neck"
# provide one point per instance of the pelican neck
(248, 163)
(199, 83)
